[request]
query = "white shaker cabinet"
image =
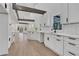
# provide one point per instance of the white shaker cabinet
(47, 38)
(54, 43)
(64, 13)
(71, 46)
(73, 12)
(69, 13)
(57, 43)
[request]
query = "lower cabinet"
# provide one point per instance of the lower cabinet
(71, 48)
(36, 36)
(54, 43)
(68, 53)
(47, 39)
(59, 46)
(62, 45)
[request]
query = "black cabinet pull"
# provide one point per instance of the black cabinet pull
(58, 35)
(72, 44)
(72, 38)
(72, 53)
(32, 32)
(66, 19)
(47, 38)
(9, 39)
(58, 39)
(5, 5)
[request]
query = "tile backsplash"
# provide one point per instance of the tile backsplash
(72, 29)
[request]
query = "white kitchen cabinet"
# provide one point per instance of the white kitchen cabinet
(73, 12)
(58, 44)
(41, 37)
(32, 35)
(36, 36)
(71, 46)
(72, 40)
(64, 13)
(29, 35)
(68, 53)
(54, 43)
(47, 39)
(69, 13)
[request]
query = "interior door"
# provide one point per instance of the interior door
(3, 34)
(3, 31)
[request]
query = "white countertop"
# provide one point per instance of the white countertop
(67, 35)
(62, 34)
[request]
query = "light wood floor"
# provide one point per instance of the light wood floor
(29, 48)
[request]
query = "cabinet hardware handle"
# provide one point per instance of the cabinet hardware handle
(9, 39)
(47, 38)
(72, 53)
(58, 40)
(66, 19)
(32, 32)
(72, 38)
(5, 5)
(58, 35)
(72, 44)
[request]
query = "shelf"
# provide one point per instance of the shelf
(27, 9)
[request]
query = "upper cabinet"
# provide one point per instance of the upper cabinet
(69, 13)
(73, 13)
(64, 12)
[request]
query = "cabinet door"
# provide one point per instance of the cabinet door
(64, 13)
(47, 40)
(59, 45)
(74, 12)
(53, 43)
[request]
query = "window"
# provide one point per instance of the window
(56, 23)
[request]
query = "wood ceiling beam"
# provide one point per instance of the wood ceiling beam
(28, 9)
(30, 20)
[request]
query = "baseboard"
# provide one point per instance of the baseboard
(4, 55)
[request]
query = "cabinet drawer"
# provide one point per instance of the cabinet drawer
(59, 37)
(68, 52)
(73, 40)
(72, 47)
(59, 46)
(47, 39)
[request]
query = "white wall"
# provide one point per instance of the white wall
(3, 31)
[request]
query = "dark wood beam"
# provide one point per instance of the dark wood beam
(30, 20)
(28, 9)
